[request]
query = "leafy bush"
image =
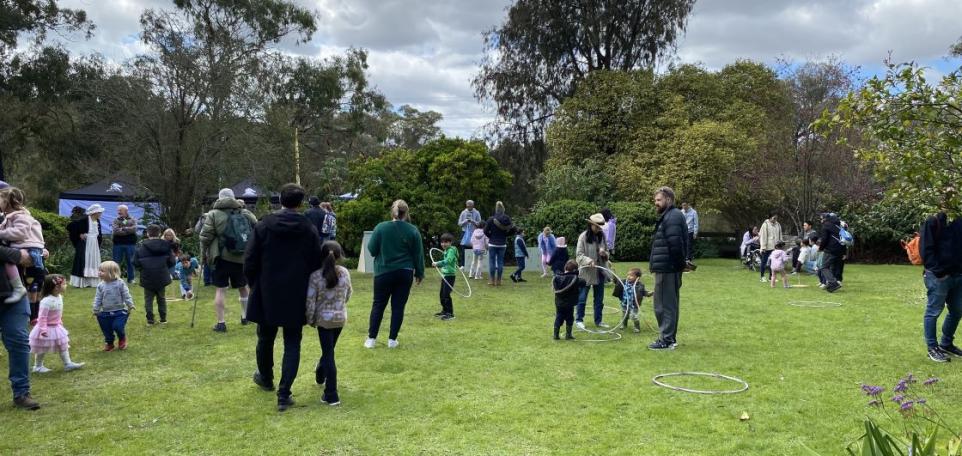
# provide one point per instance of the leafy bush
(355, 217)
(349, 263)
(61, 257)
(54, 227)
(879, 227)
(568, 218)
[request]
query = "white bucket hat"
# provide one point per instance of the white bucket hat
(94, 209)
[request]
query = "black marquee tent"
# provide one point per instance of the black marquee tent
(110, 193)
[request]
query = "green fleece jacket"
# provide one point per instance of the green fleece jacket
(396, 245)
(449, 264)
(215, 222)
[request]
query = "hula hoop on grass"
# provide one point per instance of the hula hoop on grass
(463, 275)
(657, 381)
(815, 304)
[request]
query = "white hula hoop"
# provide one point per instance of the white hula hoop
(657, 381)
(463, 275)
(610, 337)
(815, 304)
(621, 320)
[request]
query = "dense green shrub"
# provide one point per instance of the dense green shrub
(568, 218)
(54, 227)
(879, 227)
(355, 217)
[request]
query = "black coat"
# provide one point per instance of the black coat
(154, 259)
(281, 255)
(316, 216)
(941, 245)
(828, 238)
(670, 242)
(558, 260)
(498, 228)
(566, 288)
(75, 229)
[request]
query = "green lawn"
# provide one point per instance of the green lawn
(494, 382)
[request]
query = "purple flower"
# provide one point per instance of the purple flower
(931, 381)
(898, 399)
(901, 387)
(906, 406)
(871, 390)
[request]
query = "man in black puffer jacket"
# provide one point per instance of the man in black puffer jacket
(667, 261)
(828, 240)
(154, 258)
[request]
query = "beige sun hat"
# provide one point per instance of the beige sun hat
(597, 219)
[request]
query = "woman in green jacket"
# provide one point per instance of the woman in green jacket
(398, 261)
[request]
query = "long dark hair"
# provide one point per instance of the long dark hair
(49, 283)
(594, 238)
(331, 251)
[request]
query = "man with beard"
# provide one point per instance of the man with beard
(669, 249)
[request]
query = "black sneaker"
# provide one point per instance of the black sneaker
(150, 321)
(936, 354)
(26, 402)
(163, 321)
(220, 327)
(447, 317)
(521, 280)
(556, 337)
(331, 400)
(284, 403)
(661, 345)
(832, 288)
(439, 314)
(264, 384)
(951, 349)
(513, 278)
(244, 322)
(569, 337)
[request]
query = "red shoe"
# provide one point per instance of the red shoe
(108, 347)
(123, 344)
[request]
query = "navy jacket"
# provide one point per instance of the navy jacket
(154, 258)
(670, 242)
(498, 228)
(558, 260)
(941, 245)
(566, 288)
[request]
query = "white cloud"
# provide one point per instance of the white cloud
(425, 53)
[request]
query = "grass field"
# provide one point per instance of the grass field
(494, 382)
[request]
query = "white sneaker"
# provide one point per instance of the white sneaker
(369, 343)
(580, 325)
(603, 325)
(822, 285)
(40, 369)
(73, 366)
(839, 283)
(392, 343)
(763, 280)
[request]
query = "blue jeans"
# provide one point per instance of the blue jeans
(496, 261)
(113, 322)
(13, 329)
(599, 304)
(947, 293)
(126, 251)
(521, 265)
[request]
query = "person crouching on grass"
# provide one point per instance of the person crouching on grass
(631, 296)
(449, 267)
(567, 288)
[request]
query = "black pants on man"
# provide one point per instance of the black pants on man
(447, 304)
(690, 254)
(830, 269)
(292, 355)
(667, 288)
(765, 255)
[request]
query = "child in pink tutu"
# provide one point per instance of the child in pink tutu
(49, 335)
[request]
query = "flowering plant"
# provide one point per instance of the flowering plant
(918, 423)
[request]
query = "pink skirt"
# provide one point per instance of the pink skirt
(56, 340)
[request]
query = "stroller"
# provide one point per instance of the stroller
(752, 257)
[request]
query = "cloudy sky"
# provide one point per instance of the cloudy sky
(424, 53)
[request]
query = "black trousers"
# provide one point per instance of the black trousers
(566, 315)
(447, 305)
(396, 287)
(161, 295)
(461, 249)
(327, 366)
(292, 355)
(830, 268)
(667, 287)
(690, 254)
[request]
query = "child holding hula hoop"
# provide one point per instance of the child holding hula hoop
(449, 267)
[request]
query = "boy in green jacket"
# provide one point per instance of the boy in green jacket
(449, 267)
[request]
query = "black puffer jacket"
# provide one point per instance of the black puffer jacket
(154, 258)
(567, 287)
(670, 242)
(498, 228)
(828, 237)
(940, 245)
